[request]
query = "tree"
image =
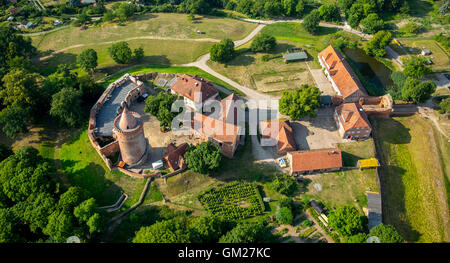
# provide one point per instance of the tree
(289, 7)
(311, 22)
(284, 216)
(203, 158)
(208, 229)
(15, 120)
(66, 107)
(410, 28)
(160, 106)
(19, 87)
(375, 46)
(138, 54)
(386, 234)
(300, 7)
(284, 184)
(248, 232)
(87, 214)
(222, 52)
(120, 52)
(38, 210)
(300, 103)
(125, 11)
(71, 198)
(167, 231)
(444, 106)
(263, 43)
(358, 238)
(196, 6)
(88, 60)
(417, 91)
(60, 226)
(329, 12)
(346, 220)
(26, 173)
(372, 24)
(8, 227)
(416, 67)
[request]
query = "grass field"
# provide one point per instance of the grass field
(84, 168)
(161, 25)
(414, 177)
(266, 76)
(343, 188)
(161, 52)
(440, 57)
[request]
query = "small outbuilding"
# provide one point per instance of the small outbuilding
(368, 163)
(425, 52)
(158, 164)
(295, 56)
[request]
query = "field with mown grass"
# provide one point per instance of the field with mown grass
(354, 151)
(413, 46)
(414, 177)
(342, 188)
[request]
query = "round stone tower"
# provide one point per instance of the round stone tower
(129, 131)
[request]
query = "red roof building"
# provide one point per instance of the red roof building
(341, 75)
(175, 156)
(282, 136)
(352, 121)
(313, 161)
(195, 90)
(227, 130)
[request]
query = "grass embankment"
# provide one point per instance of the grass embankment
(414, 178)
(83, 167)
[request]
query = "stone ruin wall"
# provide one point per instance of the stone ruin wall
(113, 147)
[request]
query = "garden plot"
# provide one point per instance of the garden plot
(236, 200)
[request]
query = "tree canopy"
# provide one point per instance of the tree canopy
(416, 67)
(120, 52)
(88, 60)
(300, 103)
(66, 107)
(263, 43)
(248, 232)
(386, 234)
(311, 22)
(346, 220)
(222, 52)
(417, 91)
(375, 46)
(203, 158)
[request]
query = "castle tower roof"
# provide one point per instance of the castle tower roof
(127, 120)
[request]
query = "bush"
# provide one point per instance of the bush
(283, 184)
(284, 216)
(416, 67)
(444, 106)
(386, 234)
(410, 28)
(263, 43)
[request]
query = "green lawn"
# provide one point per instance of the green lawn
(161, 52)
(342, 188)
(413, 178)
(84, 168)
(270, 76)
(160, 25)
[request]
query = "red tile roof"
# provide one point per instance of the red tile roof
(351, 115)
(322, 159)
(341, 72)
(175, 156)
(221, 131)
(187, 86)
(284, 135)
